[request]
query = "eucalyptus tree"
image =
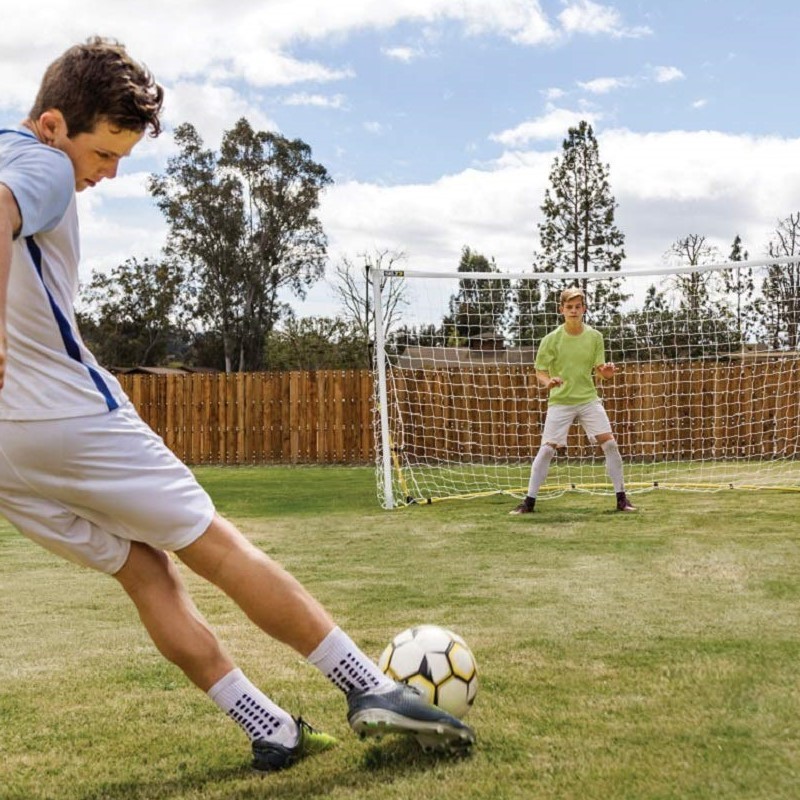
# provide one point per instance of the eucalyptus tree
(132, 313)
(244, 222)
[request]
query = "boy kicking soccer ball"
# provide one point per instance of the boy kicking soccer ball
(84, 477)
(567, 360)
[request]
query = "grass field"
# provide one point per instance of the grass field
(654, 655)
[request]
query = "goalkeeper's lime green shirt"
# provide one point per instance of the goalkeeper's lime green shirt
(572, 358)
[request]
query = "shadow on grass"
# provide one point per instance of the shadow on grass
(381, 765)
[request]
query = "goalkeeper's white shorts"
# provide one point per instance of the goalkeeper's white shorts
(559, 419)
(86, 487)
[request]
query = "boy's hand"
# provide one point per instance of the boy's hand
(553, 382)
(607, 370)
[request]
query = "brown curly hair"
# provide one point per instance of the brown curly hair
(97, 81)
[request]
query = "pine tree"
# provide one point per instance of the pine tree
(578, 233)
(739, 284)
(479, 309)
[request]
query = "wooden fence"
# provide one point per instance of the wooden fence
(259, 417)
(659, 410)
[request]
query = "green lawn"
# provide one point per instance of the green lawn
(654, 655)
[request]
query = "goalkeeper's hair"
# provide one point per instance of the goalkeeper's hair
(571, 292)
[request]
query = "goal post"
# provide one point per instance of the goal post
(706, 395)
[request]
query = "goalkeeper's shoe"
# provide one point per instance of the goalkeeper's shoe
(525, 507)
(623, 504)
(271, 756)
(402, 710)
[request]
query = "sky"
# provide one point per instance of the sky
(439, 120)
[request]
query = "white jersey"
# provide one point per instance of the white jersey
(49, 374)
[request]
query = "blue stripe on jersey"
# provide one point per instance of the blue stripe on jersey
(70, 344)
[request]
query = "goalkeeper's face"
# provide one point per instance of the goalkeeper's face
(573, 309)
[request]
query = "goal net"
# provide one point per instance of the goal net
(706, 395)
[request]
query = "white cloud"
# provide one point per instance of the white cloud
(701, 103)
(667, 74)
(552, 125)
(604, 85)
(707, 182)
(593, 19)
(376, 128)
(211, 109)
(404, 54)
(317, 100)
(553, 93)
(667, 186)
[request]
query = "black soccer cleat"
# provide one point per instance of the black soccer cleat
(525, 507)
(402, 710)
(271, 756)
(623, 504)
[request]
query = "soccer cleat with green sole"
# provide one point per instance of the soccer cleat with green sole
(271, 756)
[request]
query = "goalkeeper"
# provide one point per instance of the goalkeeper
(567, 361)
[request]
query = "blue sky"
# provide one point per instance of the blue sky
(439, 119)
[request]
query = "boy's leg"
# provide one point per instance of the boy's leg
(557, 423)
(614, 469)
(168, 613)
(282, 608)
(183, 636)
(539, 470)
(271, 597)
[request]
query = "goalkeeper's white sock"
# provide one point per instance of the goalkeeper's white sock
(613, 464)
(340, 660)
(539, 469)
(254, 712)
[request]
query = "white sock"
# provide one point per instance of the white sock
(255, 713)
(539, 468)
(613, 464)
(339, 659)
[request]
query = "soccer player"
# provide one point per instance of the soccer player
(83, 476)
(567, 361)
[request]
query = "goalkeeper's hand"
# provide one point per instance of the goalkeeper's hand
(607, 370)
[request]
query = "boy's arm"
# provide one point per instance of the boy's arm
(10, 224)
(603, 369)
(545, 380)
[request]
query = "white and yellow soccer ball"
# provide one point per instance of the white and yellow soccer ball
(437, 662)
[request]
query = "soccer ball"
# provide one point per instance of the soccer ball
(436, 661)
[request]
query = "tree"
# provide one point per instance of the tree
(740, 287)
(245, 223)
(703, 320)
(781, 287)
(134, 311)
(311, 343)
(479, 309)
(578, 233)
(352, 285)
(693, 288)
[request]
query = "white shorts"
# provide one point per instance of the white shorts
(559, 419)
(86, 487)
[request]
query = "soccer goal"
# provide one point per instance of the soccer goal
(706, 394)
